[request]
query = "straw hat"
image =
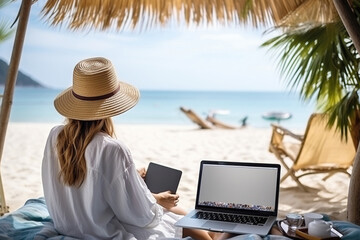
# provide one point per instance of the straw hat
(96, 92)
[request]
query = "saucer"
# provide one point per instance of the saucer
(284, 228)
(302, 232)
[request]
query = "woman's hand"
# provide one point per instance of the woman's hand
(142, 172)
(166, 199)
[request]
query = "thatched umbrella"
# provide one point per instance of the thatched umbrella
(104, 14)
(142, 14)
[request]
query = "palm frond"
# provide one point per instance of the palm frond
(5, 31)
(344, 113)
(318, 61)
(4, 2)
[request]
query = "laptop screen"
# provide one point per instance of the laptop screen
(239, 186)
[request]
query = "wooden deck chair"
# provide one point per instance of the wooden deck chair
(319, 150)
(220, 124)
(196, 118)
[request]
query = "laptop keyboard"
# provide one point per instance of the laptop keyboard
(226, 217)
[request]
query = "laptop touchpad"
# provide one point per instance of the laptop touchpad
(219, 225)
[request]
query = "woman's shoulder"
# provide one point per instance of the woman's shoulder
(111, 146)
(112, 155)
(109, 142)
(56, 129)
(54, 132)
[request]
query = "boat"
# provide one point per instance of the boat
(278, 116)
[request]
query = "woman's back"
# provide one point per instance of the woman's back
(90, 208)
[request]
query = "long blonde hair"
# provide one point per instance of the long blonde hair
(71, 144)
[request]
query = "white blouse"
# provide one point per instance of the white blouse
(113, 202)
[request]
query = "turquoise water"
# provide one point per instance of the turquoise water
(162, 107)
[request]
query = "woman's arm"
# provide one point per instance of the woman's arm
(166, 199)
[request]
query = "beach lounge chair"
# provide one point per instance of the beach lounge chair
(220, 124)
(319, 150)
(196, 118)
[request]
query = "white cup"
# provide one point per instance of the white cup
(320, 228)
(294, 221)
(309, 217)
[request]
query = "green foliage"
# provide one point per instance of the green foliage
(322, 62)
(5, 31)
(344, 111)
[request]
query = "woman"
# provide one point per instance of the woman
(91, 186)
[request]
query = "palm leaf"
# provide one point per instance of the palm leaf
(322, 63)
(5, 31)
(4, 2)
(318, 61)
(344, 112)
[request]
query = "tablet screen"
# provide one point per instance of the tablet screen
(161, 178)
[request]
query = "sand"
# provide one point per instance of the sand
(178, 146)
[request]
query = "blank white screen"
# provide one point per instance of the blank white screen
(238, 184)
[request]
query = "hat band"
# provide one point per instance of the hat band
(96, 97)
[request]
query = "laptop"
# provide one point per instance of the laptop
(160, 178)
(235, 197)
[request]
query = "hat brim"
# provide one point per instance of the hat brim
(71, 107)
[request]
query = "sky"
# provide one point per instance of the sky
(172, 58)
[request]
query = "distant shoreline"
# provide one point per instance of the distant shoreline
(34, 104)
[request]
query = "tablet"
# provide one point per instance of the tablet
(161, 178)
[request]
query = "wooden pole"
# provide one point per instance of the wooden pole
(349, 20)
(353, 209)
(10, 84)
(352, 27)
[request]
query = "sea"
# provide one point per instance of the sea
(163, 107)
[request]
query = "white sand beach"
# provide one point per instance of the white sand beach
(181, 147)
